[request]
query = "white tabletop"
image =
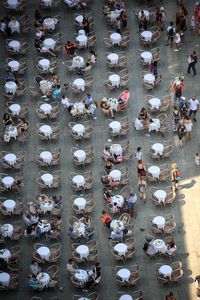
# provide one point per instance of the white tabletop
(113, 58)
(46, 156)
(158, 148)
(115, 126)
(44, 252)
(10, 87)
(14, 65)
(147, 35)
(124, 274)
(10, 158)
(44, 63)
(5, 279)
(155, 103)
(80, 106)
(46, 108)
(149, 78)
(47, 179)
(81, 275)
(160, 195)
(79, 19)
(14, 26)
(146, 13)
(115, 38)
(45, 207)
(83, 251)
(15, 45)
(5, 254)
(8, 181)
(159, 245)
(11, 131)
(116, 149)
(166, 270)
(78, 62)
(45, 86)
(49, 23)
(9, 204)
(15, 109)
(117, 225)
(82, 39)
(81, 31)
(79, 129)
(115, 79)
(147, 56)
(126, 297)
(155, 125)
(79, 180)
(118, 199)
(47, 2)
(44, 279)
(49, 43)
(159, 221)
(13, 3)
(7, 230)
(121, 248)
(80, 203)
(155, 171)
(80, 155)
(46, 130)
(115, 175)
(80, 84)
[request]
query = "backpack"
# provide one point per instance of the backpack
(171, 32)
(181, 129)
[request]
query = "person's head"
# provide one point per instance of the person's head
(106, 148)
(70, 261)
(175, 107)
(142, 12)
(172, 244)
(187, 118)
(143, 109)
(103, 212)
(131, 194)
(194, 52)
(87, 64)
(115, 204)
(171, 294)
(97, 264)
(155, 63)
(140, 161)
(197, 154)
(174, 166)
(95, 102)
(58, 86)
(88, 95)
(193, 98)
(92, 52)
(139, 149)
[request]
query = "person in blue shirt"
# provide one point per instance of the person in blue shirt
(56, 92)
(88, 101)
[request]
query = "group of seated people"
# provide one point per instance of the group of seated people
(143, 120)
(81, 229)
(110, 159)
(112, 6)
(4, 25)
(22, 125)
(150, 250)
(78, 4)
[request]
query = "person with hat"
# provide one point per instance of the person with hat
(175, 175)
(178, 86)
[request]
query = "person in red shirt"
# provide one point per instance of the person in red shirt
(106, 218)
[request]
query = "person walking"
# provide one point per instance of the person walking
(192, 60)
(193, 107)
(175, 175)
(170, 34)
(142, 184)
(181, 132)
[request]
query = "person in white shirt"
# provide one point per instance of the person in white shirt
(66, 103)
(177, 41)
(138, 124)
(193, 107)
(170, 34)
(139, 154)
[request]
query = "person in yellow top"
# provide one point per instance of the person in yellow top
(175, 175)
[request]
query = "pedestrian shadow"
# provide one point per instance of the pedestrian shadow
(187, 185)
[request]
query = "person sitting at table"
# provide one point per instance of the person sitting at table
(105, 179)
(130, 202)
(88, 100)
(95, 278)
(171, 248)
(142, 21)
(106, 154)
(138, 124)
(34, 283)
(40, 33)
(71, 266)
(53, 234)
(35, 218)
(106, 218)
(105, 107)
(27, 219)
(22, 126)
(149, 249)
(115, 208)
(70, 48)
(56, 92)
(66, 103)
(108, 166)
(7, 120)
(17, 186)
(9, 76)
(92, 109)
(146, 118)
(56, 223)
(38, 18)
(86, 220)
(92, 57)
(34, 268)
(154, 68)
(123, 99)
(85, 69)
(85, 25)
(57, 200)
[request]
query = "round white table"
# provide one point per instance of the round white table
(47, 179)
(80, 106)
(46, 130)
(44, 279)
(80, 155)
(8, 181)
(11, 131)
(46, 206)
(46, 108)
(49, 43)
(126, 297)
(160, 195)
(14, 65)
(79, 19)
(14, 26)
(155, 125)
(158, 148)
(147, 56)
(15, 109)
(78, 62)
(149, 78)
(13, 3)
(147, 35)
(80, 84)
(45, 86)
(15, 45)
(113, 15)
(10, 158)
(121, 249)
(124, 274)
(43, 225)
(159, 246)
(146, 13)
(80, 203)
(116, 149)
(4, 279)
(166, 271)
(44, 64)
(10, 87)
(5, 254)
(44, 252)
(155, 103)
(115, 126)
(113, 58)
(115, 175)
(82, 40)
(155, 171)
(49, 23)
(83, 251)
(116, 225)
(79, 129)
(81, 31)
(81, 275)
(118, 199)
(47, 3)
(7, 230)
(46, 156)
(159, 221)
(114, 79)
(9, 205)
(79, 180)
(115, 38)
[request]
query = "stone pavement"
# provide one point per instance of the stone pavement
(186, 204)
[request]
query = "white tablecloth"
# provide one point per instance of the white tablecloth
(80, 203)
(149, 78)
(46, 206)
(44, 64)
(113, 16)
(126, 297)
(5, 254)
(5, 279)
(81, 275)
(47, 3)
(155, 171)
(115, 126)
(15, 45)
(49, 23)
(46, 156)
(13, 3)
(45, 86)
(115, 38)
(121, 249)
(7, 230)
(46, 108)
(115, 175)
(14, 65)
(78, 62)
(80, 155)
(46, 130)
(10, 87)
(155, 125)
(79, 19)
(80, 84)
(115, 79)
(15, 109)
(47, 179)
(147, 35)
(82, 40)
(158, 148)
(44, 279)
(159, 246)
(160, 195)
(116, 149)
(159, 221)
(44, 227)
(81, 31)
(8, 181)
(79, 180)
(117, 199)
(166, 271)
(10, 158)
(44, 252)
(155, 103)
(116, 225)
(113, 58)
(11, 131)
(14, 26)
(124, 274)
(79, 228)
(49, 43)
(83, 251)
(9, 204)
(113, 103)
(146, 13)
(147, 56)
(79, 129)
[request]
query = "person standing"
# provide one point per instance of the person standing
(192, 60)
(193, 107)
(142, 184)
(181, 132)
(170, 34)
(175, 175)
